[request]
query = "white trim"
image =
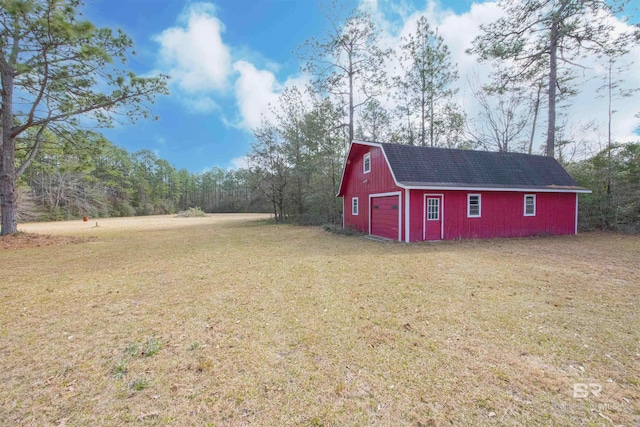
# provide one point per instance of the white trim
(576, 232)
(391, 193)
(365, 157)
(407, 215)
(515, 190)
(356, 211)
(469, 195)
(534, 204)
(342, 212)
(424, 216)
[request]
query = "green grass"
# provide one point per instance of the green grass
(223, 322)
(138, 384)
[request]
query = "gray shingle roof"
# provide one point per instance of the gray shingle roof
(422, 166)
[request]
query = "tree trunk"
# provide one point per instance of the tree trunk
(536, 108)
(409, 129)
(609, 165)
(8, 194)
(553, 75)
(431, 120)
(350, 103)
(422, 120)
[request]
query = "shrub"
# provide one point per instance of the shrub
(138, 384)
(146, 349)
(120, 369)
(191, 213)
(338, 229)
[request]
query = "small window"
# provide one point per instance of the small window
(474, 207)
(354, 206)
(366, 163)
(433, 209)
(529, 205)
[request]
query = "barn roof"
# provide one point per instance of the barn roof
(413, 166)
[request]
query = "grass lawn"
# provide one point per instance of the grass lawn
(229, 321)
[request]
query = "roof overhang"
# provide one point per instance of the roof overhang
(462, 187)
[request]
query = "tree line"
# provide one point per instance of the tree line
(613, 176)
(359, 89)
(103, 180)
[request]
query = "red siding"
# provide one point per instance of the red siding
(358, 184)
(502, 215)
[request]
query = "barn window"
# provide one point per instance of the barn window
(366, 163)
(433, 209)
(354, 206)
(474, 205)
(529, 205)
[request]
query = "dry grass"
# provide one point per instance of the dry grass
(219, 321)
(31, 240)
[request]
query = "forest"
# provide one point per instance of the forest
(57, 166)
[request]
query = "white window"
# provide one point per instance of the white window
(366, 163)
(474, 205)
(433, 209)
(354, 206)
(529, 205)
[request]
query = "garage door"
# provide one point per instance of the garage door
(385, 212)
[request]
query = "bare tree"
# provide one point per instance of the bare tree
(66, 192)
(501, 121)
(374, 123)
(348, 63)
(449, 126)
(268, 162)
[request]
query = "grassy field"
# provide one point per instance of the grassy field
(229, 321)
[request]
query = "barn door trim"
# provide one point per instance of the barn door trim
(392, 193)
(424, 214)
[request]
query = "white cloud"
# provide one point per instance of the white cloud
(200, 64)
(239, 162)
(458, 31)
(200, 104)
(255, 90)
(193, 52)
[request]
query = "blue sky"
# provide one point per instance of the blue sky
(264, 33)
(230, 58)
(269, 28)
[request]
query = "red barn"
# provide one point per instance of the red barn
(411, 194)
